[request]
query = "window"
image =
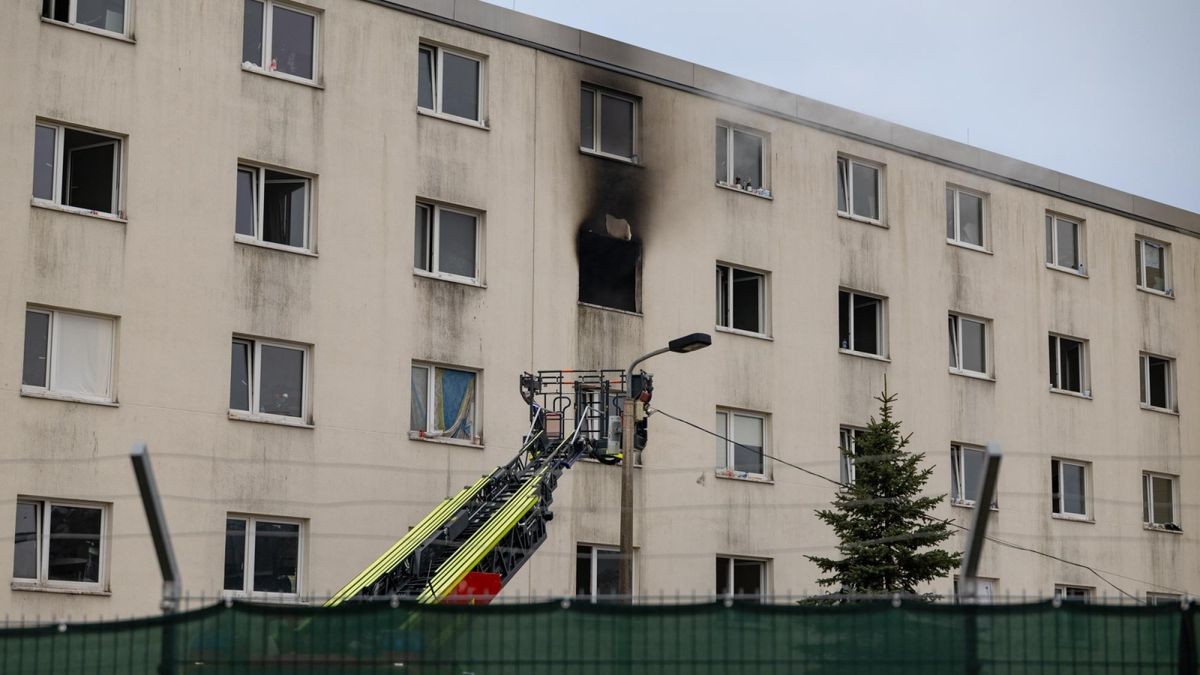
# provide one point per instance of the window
(741, 579)
(968, 345)
(105, 15)
(77, 169)
(1069, 488)
(608, 123)
(262, 555)
(860, 323)
(849, 439)
(964, 217)
(859, 190)
(1154, 599)
(985, 589)
(1160, 499)
(273, 207)
(741, 299)
(1158, 382)
(1074, 593)
(280, 38)
(1064, 243)
(966, 474)
(447, 242)
(60, 544)
(443, 403)
(597, 572)
(740, 160)
(742, 454)
(269, 378)
(1153, 265)
(449, 82)
(1068, 365)
(69, 354)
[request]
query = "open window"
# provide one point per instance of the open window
(450, 82)
(741, 299)
(1160, 501)
(60, 544)
(263, 556)
(447, 242)
(77, 169)
(443, 403)
(1065, 244)
(68, 355)
(861, 324)
(109, 16)
(280, 38)
(268, 380)
(608, 123)
(742, 159)
(965, 218)
(1153, 266)
(859, 190)
(742, 447)
(1158, 382)
(1069, 365)
(848, 439)
(1071, 489)
(970, 345)
(273, 207)
(966, 474)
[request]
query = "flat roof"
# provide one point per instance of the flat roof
(597, 50)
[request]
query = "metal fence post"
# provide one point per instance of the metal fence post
(967, 583)
(152, 503)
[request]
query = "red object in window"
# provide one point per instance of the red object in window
(477, 588)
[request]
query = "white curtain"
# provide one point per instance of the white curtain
(83, 355)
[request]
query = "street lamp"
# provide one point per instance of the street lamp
(680, 345)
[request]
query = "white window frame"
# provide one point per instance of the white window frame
(1144, 366)
(847, 447)
(266, 56)
(848, 163)
(431, 407)
(985, 590)
(72, 20)
(52, 350)
(727, 470)
(438, 51)
(1061, 590)
(983, 219)
(435, 243)
(1140, 260)
(763, 160)
(881, 332)
(1148, 502)
(1052, 220)
(60, 168)
(1085, 379)
(959, 477)
(763, 301)
(1155, 599)
(260, 185)
(255, 371)
(764, 578)
(43, 542)
(593, 550)
(958, 369)
(248, 565)
(1087, 490)
(597, 92)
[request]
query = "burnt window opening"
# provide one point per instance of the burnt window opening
(609, 271)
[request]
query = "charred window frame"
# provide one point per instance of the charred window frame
(742, 446)
(265, 379)
(1069, 366)
(609, 123)
(848, 438)
(860, 190)
(597, 572)
(970, 345)
(281, 39)
(451, 83)
(444, 403)
(743, 579)
(61, 544)
(1160, 501)
(1153, 266)
(448, 243)
(1158, 382)
(966, 472)
(99, 16)
(69, 355)
(274, 208)
(78, 170)
(742, 300)
(1066, 244)
(264, 557)
(742, 159)
(862, 320)
(966, 218)
(1071, 489)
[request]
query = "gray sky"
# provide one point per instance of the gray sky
(1104, 90)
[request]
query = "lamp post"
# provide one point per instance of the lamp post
(680, 345)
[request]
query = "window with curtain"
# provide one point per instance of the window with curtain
(443, 403)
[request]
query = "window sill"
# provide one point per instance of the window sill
(860, 219)
(973, 375)
(88, 29)
(610, 309)
(1165, 411)
(420, 436)
(742, 476)
(1067, 392)
(38, 588)
(744, 333)
(264, 597)
(864, 355)
(276, 75)
(250, 241)
(69, 398)
(1170, 295)
(966, 504)
(43, 204)
(632, 161)
(452, 278)
(466, 122)
(969, 247)
(1160, 528)
(1067, 270)
(727, 186)
(243, 416)
(1073, 519)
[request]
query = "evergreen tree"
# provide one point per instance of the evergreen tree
(888, 540)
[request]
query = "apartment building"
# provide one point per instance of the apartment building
(304, 250)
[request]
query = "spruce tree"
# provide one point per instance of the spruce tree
(888, 539)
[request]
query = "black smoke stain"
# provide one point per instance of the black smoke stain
(609, 243)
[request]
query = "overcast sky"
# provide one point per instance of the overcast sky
(1105, 90)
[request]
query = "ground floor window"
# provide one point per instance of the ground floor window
(742, 579)
(60, 544)
(597, 572)
(262, 555)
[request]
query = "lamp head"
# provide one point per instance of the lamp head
(689, 343)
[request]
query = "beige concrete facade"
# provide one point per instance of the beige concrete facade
(180, 287)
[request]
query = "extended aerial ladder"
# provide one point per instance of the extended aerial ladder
(494, 525)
